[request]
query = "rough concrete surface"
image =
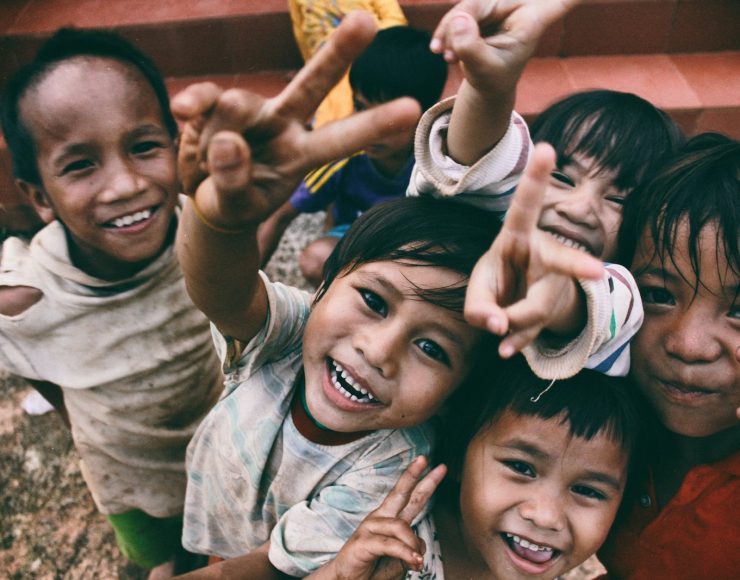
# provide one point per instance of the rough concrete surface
(49, 527)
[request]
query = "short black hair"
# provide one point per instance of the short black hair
(620, 131)
(700, 186)
(589, 404)
(398, 63)
(416, 230)
(64, 45)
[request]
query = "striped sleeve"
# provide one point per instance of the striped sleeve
(614, 316)
(489, 184)
(319, 188)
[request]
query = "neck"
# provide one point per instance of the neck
(692, 451)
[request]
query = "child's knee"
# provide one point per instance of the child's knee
(314, 256)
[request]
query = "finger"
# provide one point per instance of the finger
(347, 136)
(393, 528)
(526, 321)
(195, 100)
(229, 162)
(389, 547)
(571, 262)
(399, 496)
(309, 87)
(473, 8)
(526, 204)
(482, 307)
(422, 493)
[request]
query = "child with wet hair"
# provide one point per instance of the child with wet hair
(94, 311)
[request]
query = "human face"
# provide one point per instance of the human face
(376, 355)
(536, 501)
(684, 356)
(583, 208)
(107, 163)
(393, 149)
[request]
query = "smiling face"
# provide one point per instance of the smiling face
(536, 501)
(582, 207)
(685, 355)
(107, 163)
(376, 355)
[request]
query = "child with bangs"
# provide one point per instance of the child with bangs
(680, 237)
(539, 472)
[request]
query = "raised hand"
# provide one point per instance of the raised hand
(385, 539)
(526, 282)
(241, 155)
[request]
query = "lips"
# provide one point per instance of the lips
(570, 240)
(685, 393)
(346, 390)
(132, 219)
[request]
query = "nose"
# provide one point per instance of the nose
(381, 345)
(123, 181)
(690, 338)
(581, 205)
(544, 509)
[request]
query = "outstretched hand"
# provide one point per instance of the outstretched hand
(526, 282)
(242, 155)
(384, 540)
(493, 40)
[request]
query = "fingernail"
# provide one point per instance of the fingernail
(506, 350)
(223, 153)
(435, 45)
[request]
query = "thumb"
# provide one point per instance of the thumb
(229, 162)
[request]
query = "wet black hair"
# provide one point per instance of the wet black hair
(589, 404)
(620, 131)
(398, 63)
(422, 231)
(64, 45)
(700, 186)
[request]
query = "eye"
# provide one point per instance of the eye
(144, 147)
(520, 467)
(656, 295)
(560, 179)
(734, 312)
(433, 350)
(373, 301)
(77, 165)
(588, 492)
(616, 199)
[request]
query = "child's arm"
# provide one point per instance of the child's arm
(526, 283)
(492, 41)
(271, 230)
(241, 156)
(385, 538)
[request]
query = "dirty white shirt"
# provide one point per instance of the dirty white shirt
(134, 360)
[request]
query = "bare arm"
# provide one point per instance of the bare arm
(241, 156)
(272, 229)
(255, 566)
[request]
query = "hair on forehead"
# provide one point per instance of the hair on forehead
(620, 132)
(700, 187)
(67, 44)
(421, 231)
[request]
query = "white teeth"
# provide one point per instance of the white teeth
(568, 242)
(127, 220)
(338, 371)
(529, 545)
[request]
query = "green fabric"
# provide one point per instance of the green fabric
(146, 540)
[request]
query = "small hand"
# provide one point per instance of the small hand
(242, 155)
(525, 283)
(385, 536)
(494, 39)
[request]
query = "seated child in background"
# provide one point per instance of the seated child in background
(94, 310)
(606, 142)
(538, 474)
(397, 63)
(314, 20)
(680, 236)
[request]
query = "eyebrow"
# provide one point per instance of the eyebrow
(605, 478)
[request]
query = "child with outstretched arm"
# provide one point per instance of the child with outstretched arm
(348, 378)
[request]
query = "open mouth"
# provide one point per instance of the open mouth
(570, 243)
(347, 386)
(132, 219)
(535, 553)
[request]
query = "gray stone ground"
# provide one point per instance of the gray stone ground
(49, 528)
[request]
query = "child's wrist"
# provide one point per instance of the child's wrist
(221, 229)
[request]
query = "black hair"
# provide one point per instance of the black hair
(621, 132)
(589, 404)
(66, 44)
(421, 231)
(700, 186)
(398, 63)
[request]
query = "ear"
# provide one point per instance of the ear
(38, 199)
